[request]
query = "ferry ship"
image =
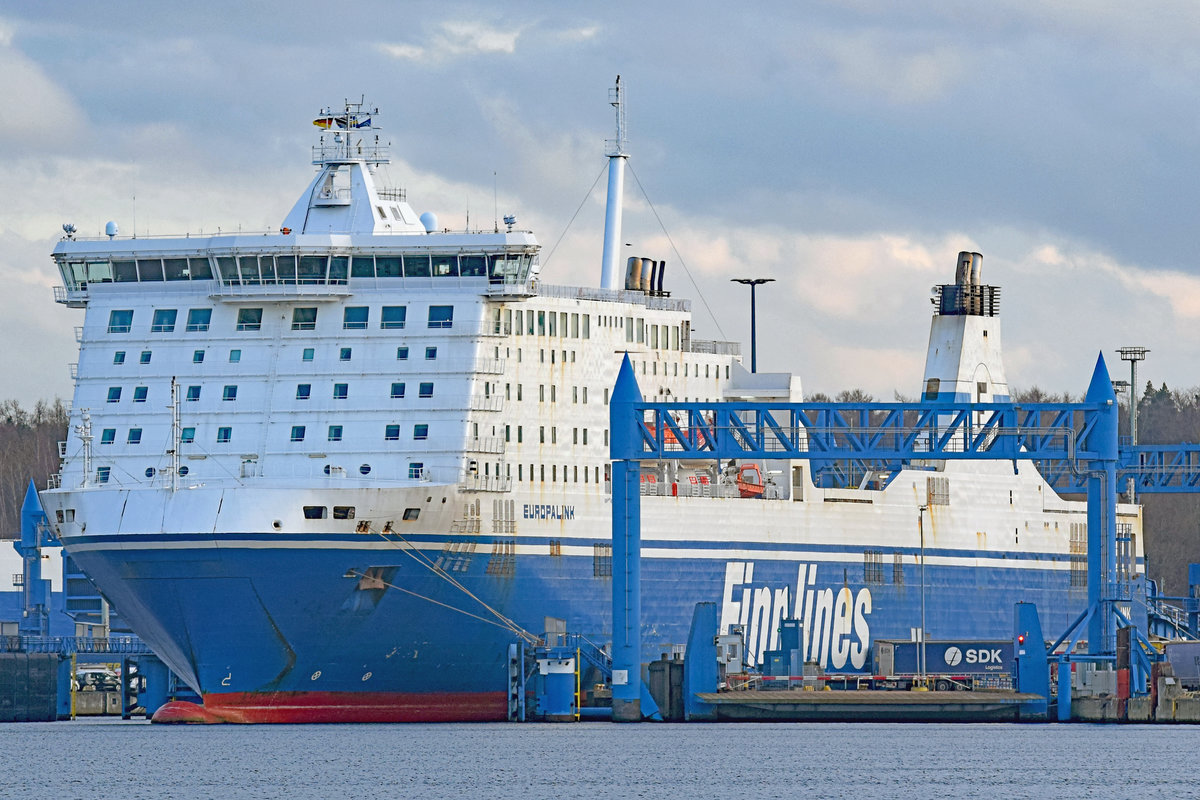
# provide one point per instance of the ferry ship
(330, 472)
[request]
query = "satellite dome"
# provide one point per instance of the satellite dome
(110, 230)
(429, 220)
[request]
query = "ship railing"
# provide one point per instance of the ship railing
(613, 296)
(302, 289)
(117, 645)
(485, 366)
(485, 444)
(486, 483)
(78, 334)
(55, 480)
(713, 346)
(660, 488)
(75, 297)
(73, 368)
(483, 403)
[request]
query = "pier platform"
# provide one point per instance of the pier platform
(800, 705)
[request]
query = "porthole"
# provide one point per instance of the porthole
(149, 472)
(277, 525)
(365, 469)
(183, 471)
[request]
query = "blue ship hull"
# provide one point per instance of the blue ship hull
(273, 630)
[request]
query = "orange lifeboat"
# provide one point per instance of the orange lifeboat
(750, 481)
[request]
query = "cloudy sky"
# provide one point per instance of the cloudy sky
(847, 149)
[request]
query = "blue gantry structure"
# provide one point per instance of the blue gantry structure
(1075, 445)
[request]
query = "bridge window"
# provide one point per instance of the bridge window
(393, 317)
(416, 266)
(249, 319)
(445, 266)
(388, 267)
(198, 319)
(472, 266)
(304, 319)
(362, 267)
(355, 317)
(120, 321)
(164, 320)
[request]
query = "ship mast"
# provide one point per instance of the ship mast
(616, 187)
(175, 435)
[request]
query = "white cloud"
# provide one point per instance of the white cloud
(33, 101)
(457, 38)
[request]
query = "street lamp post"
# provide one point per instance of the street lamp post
(921, 529)
(1133, 355)
(752, 283)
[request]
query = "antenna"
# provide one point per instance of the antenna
(615, 150)
(495, 202)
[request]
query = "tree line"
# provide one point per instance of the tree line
(28, 451)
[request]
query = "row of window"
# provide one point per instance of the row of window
(416, 471)
(225, 434)
(235, 356)
(531, 322)
(341, 391)
(304, 318)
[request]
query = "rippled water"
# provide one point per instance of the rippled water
(87, 759)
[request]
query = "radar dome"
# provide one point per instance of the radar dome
(110, 230)
(429, 220)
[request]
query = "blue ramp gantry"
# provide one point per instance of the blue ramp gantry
(1075, 443)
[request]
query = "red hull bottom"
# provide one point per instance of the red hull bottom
(325, 707)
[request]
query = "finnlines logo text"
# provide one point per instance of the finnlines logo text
(549, 512)
(837, 634)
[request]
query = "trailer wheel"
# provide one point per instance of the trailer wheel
(942, 685)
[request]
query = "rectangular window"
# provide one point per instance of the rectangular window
(397, 390)
(108, 436)
(144, 358)
(230, 393)
(297, 433)
(249, 319)
(224, 434)
(120, 321)
(135, 436)
(401, 353)
(441, 316)
(164, 320)
(416, 470)
(193, 394)
(341, 391)
(314, 512)
(307, 354)
(235, 356)
(392, 317)
(344, 354)
(391, 433)
(119, 357)
(304, 319)
(102, 474)
(335, 433)
(425, 390)
(187, 435)
(139, 394)
(198, 319)
(303, 391)
(430, 353)
(114, 394)
(198, 357)
(343, 512)
(355, 317)
(420, 431)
